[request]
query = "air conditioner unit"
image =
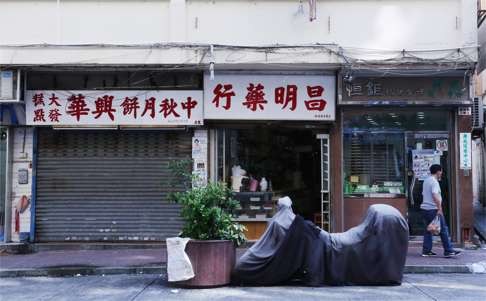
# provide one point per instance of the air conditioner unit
(9, 86)
(477, 114)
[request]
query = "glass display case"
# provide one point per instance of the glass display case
(374, 164)
(254, 206)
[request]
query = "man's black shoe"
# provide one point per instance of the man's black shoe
(451, 254)
(428, 254)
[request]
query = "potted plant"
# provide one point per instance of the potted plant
(206, 211)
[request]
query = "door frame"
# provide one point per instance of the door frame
(7, 226)
(325, 194)
(450, 172)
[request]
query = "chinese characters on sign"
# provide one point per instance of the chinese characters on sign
(465, 159)
(404, 89)
(269, 97)
(114, 108)
(374, 88)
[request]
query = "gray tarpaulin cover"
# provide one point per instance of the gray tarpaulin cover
(372, 253)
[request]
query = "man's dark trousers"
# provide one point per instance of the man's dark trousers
(429, 216)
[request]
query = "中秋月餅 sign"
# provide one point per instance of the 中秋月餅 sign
(106, 108)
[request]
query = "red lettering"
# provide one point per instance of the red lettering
(104, 105)
(54, 115)
(149, 105)
(255, 97)
(315, 91)
(168, 107)
(54, 100)
(39, 115)
(315, 104)
(130, 106)
(188, 105)
(77, 106)
(38, 99)
(226, 93)
(285, 98)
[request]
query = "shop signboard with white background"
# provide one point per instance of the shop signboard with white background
(107, 108)
(269, 97)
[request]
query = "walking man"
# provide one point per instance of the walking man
(432, 207)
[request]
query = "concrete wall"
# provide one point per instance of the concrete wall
(477, 171)
(21, 159)
(386, 24)
(362, 26)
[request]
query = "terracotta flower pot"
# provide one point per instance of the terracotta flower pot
(212, 261)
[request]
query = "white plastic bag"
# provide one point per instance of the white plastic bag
(434, 226)
(179, 267)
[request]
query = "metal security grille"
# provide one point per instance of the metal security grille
(107, 185)
(374, 157)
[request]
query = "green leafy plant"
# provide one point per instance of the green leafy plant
(181, 178)
(207, 210)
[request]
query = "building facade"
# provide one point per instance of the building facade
(338, 104)
(479, 129)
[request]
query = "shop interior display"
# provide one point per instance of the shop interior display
(266, 163)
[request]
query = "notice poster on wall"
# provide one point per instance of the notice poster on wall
(422, 160)
(200, 157)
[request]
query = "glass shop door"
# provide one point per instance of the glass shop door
(424, 149)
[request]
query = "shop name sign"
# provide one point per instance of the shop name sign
(465, 154)
(56, 107)
(390, 90)
(269, 97)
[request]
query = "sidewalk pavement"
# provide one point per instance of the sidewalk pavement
(153, 261)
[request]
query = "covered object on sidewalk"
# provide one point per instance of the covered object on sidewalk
(291, 248)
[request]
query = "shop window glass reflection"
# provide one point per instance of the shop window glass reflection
(373, 163)
(377, 149)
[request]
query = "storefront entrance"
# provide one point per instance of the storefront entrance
(278, 161)
(424, 149)
(107, 185)
(387, 155)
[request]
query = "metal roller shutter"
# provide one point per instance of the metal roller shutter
(107, 185)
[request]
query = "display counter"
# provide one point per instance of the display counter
(355, 207)
(254, 211)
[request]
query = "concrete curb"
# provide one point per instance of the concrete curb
(161, 270)
(435, 269)
(81, 271)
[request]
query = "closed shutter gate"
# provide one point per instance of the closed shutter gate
(107, 185)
